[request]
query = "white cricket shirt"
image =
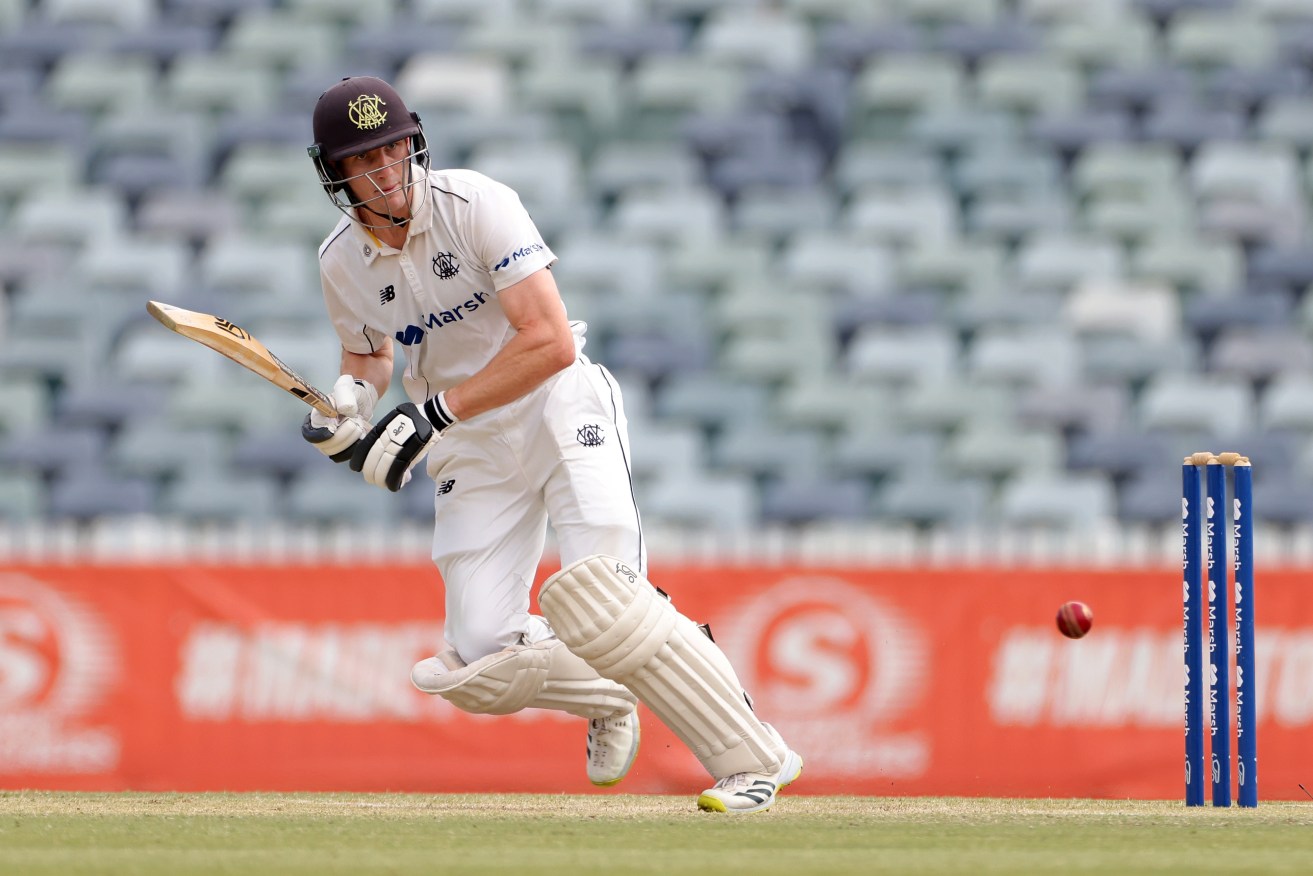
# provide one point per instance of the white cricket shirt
(437, 296)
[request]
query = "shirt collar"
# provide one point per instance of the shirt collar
(419, 223)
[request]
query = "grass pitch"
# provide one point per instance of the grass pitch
(143, 833)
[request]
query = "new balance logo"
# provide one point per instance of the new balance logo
(445, 487)
(388, 293)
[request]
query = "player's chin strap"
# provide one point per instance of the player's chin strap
(628, 631)
(544, 675)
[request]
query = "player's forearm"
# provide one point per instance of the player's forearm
(531, 357)
(374, 367)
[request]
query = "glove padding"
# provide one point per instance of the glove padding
(337, 437)
(393, 447)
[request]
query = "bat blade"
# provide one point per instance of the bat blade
(239, 345)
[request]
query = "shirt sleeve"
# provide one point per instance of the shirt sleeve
(355, 335)
(504, 237)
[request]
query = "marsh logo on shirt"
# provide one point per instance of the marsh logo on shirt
(521, 253)
(413, 334)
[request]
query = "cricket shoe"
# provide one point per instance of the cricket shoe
(612, 747)
(742, 793)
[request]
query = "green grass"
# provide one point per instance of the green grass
(141, 833)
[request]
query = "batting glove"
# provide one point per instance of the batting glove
(399, 441)
(337, 437)
(392, 448)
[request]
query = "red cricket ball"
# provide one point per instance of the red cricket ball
(1075, 619)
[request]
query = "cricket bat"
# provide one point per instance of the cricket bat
(238, 345)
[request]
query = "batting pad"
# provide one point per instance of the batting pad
(629, 632)
(544, 675)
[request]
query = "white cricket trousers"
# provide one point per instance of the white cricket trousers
(560, 453)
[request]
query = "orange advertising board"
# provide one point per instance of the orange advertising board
(888, 681)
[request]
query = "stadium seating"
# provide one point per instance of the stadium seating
(928, 262)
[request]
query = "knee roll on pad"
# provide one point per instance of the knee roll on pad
(624, 628)
(544, 675)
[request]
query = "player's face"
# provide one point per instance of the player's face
(378, 178)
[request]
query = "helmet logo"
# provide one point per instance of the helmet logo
(364, 112)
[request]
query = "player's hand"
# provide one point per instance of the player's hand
(393, 447)
(337, 437)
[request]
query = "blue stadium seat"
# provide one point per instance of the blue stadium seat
(786, 167)
(932, 500)
(1056, 501)
(88, 493)
(1000, 448)
(1287, 404)
(702, 501)
(108, 404)
(281, 453)
(163, 42)
(974, 42)
(22, 497)
(828, 401)
(899, 355)
(39, 44)
(951, 405)
(630, 44)
(904, 217)
(659, 447)
(155, 447)
(1130, 359)
(795, 500)
(851, 46)
(1072, 132)
(53, 450)
(1141, 89)
(1219, 406)
(340, 496)
(211, 12)
(1282, 266)
(1009, 218)
(1219, 38)
(656, 355)
(1260, 354)
(749, 37)
(193, 215)
(1075, 409)
(212, 494)
(950, 129)
(1152, 496)
(1120, 452)
(883, 451)
(1248, 89)
(775, 215)
(907, 308)
(709, 400)
(1189, 127)
(1102, 36)
(815, 101)
(748, 449)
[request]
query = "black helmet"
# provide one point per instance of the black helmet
(356, 115)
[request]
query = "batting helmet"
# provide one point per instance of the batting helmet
(356, 115)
